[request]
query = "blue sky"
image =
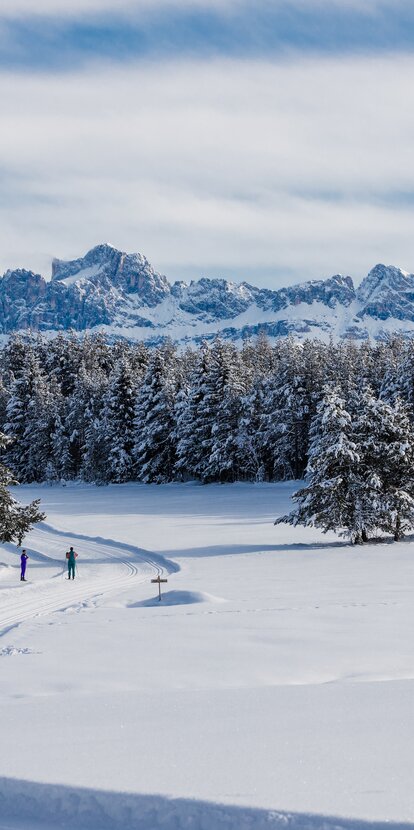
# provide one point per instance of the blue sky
(163, 31)
(268, 141)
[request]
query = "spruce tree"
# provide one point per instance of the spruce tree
(331, 499)
(154, 448)
(386, 438)
(15, 520)
(27, 422)
(225, 387)
(118, 420)
(192, 429)
(250, 450)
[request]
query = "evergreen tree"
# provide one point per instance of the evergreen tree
(90, 403)
(331, 499)
(154, 449)
(386, 438)
(224, 389)
(15, 520)
(27, 422)
(286, 417)
(250, 450)
(118, 421)
(192, 428)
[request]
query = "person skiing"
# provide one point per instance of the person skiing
(23, 562)
(71, 556)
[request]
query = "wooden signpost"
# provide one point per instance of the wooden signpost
(158, 580)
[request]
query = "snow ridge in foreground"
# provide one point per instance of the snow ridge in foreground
(84, 809)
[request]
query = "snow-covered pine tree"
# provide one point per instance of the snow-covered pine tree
(60, 461)
(64, 361)
(225, 386)
(15, 520)
(118, 423)
(287, 412)
(94, 447)
(398, 379)
(154, 449)
(192, 429)
(250, 450)
(13, 358)
(385, 436)
(258, 356)
(27, 422)
(331, 498)
(207, 420)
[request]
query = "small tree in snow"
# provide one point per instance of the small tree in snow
(15, 520)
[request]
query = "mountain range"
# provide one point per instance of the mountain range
(122, 295)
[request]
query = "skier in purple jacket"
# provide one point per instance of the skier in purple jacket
(23, 562)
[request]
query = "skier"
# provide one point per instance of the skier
(71, 556)
(23, 561)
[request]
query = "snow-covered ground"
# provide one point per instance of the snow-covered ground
(272, 687)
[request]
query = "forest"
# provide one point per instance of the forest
(85, 409)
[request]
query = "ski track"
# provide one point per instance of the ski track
(49, 595)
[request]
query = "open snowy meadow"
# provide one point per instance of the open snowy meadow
(273, 685)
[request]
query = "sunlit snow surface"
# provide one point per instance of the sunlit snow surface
(271, 687)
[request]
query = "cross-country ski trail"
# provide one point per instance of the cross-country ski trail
(104, 567)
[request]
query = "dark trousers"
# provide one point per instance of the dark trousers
(71, 569)
(23, 571)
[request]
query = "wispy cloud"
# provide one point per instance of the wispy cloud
(66, 34)
(259, 170)
(73, 8)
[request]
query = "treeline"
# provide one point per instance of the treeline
(99, 412)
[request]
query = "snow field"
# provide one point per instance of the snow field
(272, 686)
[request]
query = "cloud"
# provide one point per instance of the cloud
(70, 8)
(74, 8)
(267, 172)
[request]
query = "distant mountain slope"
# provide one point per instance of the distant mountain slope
(123, 295)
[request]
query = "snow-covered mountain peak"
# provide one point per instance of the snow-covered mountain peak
(122, 294)
(100, 259)
(384, 278)
(108, 267)
(387, 292)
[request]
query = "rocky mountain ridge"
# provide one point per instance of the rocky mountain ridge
(123, 295)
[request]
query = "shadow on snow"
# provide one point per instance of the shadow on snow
(25, 804)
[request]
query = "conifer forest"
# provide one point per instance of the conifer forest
(339, 414)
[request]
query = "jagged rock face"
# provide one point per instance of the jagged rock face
(84, 293)
(122, 292)
(21, 294)
(105, 267)
(215, 299)
(337, 290)
(331, 292)
(387, 292)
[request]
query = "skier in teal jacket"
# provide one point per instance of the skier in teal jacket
(71, 556)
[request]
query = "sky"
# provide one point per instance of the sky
(269, 141)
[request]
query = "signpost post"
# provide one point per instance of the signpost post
(158, 580)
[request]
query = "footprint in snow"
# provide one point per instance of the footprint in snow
(11, 651)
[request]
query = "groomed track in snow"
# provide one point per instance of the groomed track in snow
(104, 567)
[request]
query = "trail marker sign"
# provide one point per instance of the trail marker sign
(158, 580)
